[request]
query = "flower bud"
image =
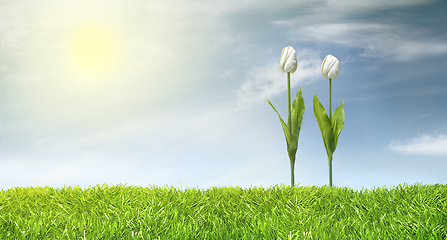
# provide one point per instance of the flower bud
(330, 67)
(288, 62)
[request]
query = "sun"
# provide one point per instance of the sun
(93, 50)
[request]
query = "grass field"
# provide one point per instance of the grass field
(280, 212)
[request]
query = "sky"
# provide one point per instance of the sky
(173, 93)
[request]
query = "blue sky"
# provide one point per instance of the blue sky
(172, 93)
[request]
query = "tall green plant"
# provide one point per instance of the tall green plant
(331, 126)
(288, 64)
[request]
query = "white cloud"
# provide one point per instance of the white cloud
(423, 144)
(398, 42)
(351, 5)
(423, 116)
(388, 37)
(271, 81)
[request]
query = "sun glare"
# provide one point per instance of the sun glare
(93, 51)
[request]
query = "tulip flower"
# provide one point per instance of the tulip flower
(288, 64)
(330, 67)
(331, 126)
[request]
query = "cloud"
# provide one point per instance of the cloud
(423, 144)
(423, 116)
(271, 81)
(392, 41)
(351, 5)
(348, 23)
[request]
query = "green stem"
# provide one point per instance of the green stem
(330, 169)
(292, 166)
(289, 123)
(330, 121)
(330, 100)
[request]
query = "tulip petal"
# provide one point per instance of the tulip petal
(291, 64)
(288, 62)
(330, 67)
(323, 70)
(282, 60)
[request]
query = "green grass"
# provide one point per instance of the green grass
(120, 212)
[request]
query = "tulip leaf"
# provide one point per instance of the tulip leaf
(325, 126)
(338, 121)
(284, 127)
(297, 118)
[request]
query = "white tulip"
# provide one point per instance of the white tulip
(330, 67)
(288, 62)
